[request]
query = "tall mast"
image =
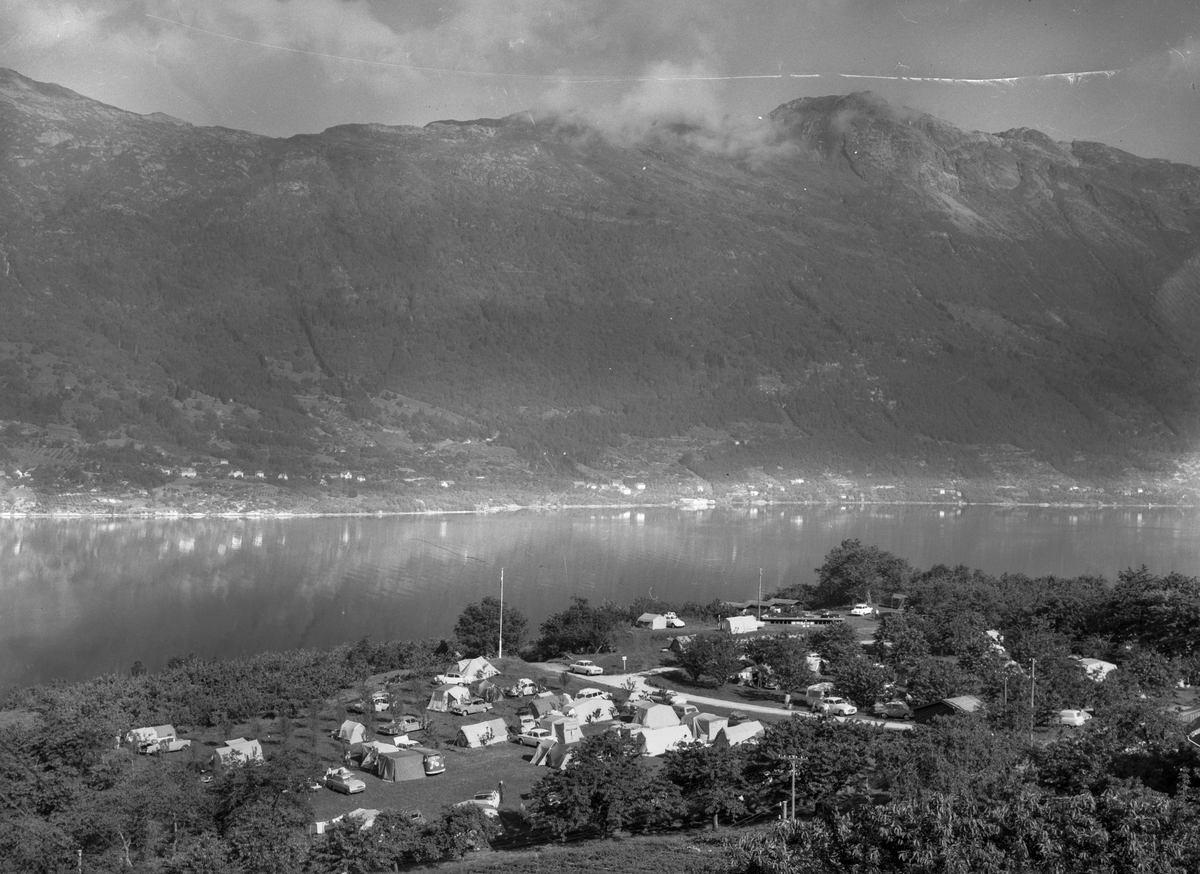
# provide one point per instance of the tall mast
(500, 652)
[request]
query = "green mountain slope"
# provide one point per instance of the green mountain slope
(855, 284)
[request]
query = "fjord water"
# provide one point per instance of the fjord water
(80, 597)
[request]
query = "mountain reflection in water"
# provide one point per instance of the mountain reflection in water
(86, 596)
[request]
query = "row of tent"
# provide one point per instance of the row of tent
(163, 738)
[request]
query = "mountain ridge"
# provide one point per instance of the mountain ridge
(861, 286)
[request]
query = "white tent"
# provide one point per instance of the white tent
(564, 729)
(482, 734)
(552, 754)
(443, 696)
(652, 621)
(656, 741)
(476, 669)
(650, 715)
(706, 726)
(735, 735)
(740, 624)
(352, 732)
(596, 710)
(238, 751)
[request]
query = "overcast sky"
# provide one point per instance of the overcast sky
(282, 67)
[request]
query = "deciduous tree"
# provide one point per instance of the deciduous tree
(478, 628)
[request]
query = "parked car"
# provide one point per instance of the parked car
(381, 700)
(451, 678)
(589, 693)
(379, 703)
(401, 725)
(488, 802)
(526, 721)
(683, 710)
(1073, 717)
(435, 762)
(667, 696)
(892, 710)
(341, 780)
(522, 688)
(465, 708)
(673, 621)
(835, 706)
(588, 668)
(531, 737)
(862, 610)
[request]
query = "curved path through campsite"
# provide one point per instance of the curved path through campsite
(619, 681)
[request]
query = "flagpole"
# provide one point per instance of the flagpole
(500, 653)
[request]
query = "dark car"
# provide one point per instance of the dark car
(892, 710)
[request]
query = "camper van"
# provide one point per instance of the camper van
(435, 762)
(814, 693)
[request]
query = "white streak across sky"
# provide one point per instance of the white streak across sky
(1108, 70)
(497, 74)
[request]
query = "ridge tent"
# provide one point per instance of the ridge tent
(367, 754)
(653, 621)
(706, 726)
(656, 741)
(352, 732)
(476, 669)
(482, 734)
(552, 754)
(740, 624)
(238, 751)
(444, 696)
(401, 765)
(596, 710)
(544, 705)
(651, 715)
(736, 735)
(489, 691)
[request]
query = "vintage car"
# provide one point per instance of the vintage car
(465, 708)
(586, 667)
(401, 725)
(835, 706)
(341, 780)
(895, 709)
(451, 678)
(531, 737)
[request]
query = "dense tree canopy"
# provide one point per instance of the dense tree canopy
(478, 628)
(853, 572)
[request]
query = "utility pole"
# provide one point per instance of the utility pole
(1032, 687)
(500, 649)
(760, 594)
(793, 788)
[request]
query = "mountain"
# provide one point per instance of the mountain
(845, 286)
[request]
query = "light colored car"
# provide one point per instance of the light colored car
(522, 688)
(341, 780)
(667, 696)
(531, 737)
(683, 710)
(488, 802)
(590, 693)
(673, 621)
(835, 706)
(465, 708)
(1073, 717)
(861, 610)
(586, 667)
(450, 679)
(401, 725)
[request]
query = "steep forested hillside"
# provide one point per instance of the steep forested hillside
(854, 284)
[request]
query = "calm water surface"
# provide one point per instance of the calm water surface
(82, 597)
